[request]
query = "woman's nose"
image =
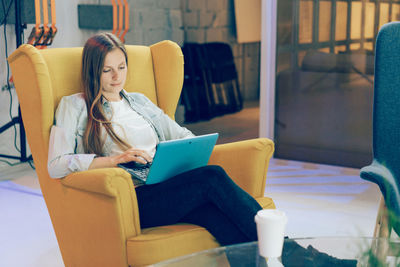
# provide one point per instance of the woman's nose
(115, 75)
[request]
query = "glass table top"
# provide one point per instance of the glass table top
(327, 251)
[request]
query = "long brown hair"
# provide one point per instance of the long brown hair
(93, 56)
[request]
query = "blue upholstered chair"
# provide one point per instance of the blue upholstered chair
(385, 167)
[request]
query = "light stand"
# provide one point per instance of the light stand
(17, 120)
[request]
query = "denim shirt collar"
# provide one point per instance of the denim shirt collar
(125, 95)
(106, 103)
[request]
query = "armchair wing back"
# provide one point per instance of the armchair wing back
(43, 77)
(384, 170)
(95, 213)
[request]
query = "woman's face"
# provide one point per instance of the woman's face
(114, 74)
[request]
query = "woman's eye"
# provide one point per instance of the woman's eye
(106, 70)
(122, 67)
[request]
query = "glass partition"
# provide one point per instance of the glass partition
(324, 82)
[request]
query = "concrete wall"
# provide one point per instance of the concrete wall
(155, 20)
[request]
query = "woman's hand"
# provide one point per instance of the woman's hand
(132, 154)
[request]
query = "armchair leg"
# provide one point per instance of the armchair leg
(380, 247)
(382, 228)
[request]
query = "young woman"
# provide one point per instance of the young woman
(105, 126)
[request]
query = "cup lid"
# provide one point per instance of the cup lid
(271, 214)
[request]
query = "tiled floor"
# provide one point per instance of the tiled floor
(323, 200)
(319, 200)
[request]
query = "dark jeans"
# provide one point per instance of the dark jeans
(205, 196)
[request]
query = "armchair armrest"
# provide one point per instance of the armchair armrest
(246, 162)
(118, 194)
(384, 178)
(101, 181)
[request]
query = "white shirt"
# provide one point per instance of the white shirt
(132, 128)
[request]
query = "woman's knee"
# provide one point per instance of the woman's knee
(205, 175)
(212, 170)
(215, 174)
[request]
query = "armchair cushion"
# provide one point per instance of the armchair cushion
(169, 241)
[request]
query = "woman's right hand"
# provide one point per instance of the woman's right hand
(131, 154)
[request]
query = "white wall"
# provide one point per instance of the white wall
(67, 24)
(267, 68)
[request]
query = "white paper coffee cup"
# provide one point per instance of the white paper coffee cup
(271, 224)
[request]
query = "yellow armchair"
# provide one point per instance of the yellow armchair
(95, 213)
